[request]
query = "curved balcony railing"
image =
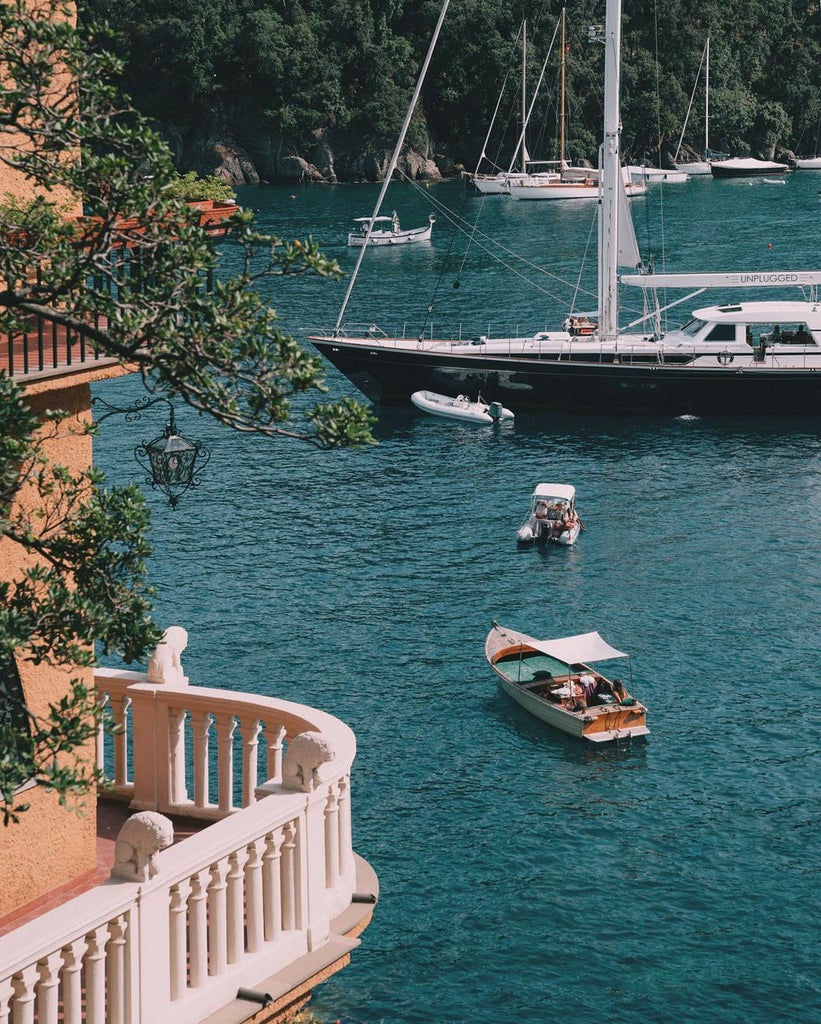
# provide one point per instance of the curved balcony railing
(239, 901)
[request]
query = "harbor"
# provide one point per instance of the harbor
(524, 875)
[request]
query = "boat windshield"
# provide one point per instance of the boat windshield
(692, 328)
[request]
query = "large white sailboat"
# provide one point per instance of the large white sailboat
(758, 357)
(522, 168)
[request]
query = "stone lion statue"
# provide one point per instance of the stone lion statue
(139, 840)
(305, 753)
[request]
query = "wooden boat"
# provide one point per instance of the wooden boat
(460, 408)
(553, 680)
(387, 231)
(552, 517)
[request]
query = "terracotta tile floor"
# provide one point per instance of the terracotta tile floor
(111, 814)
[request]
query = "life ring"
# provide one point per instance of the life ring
(725, 357)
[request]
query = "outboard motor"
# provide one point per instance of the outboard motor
(495, 410)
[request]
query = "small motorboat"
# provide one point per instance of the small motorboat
(387, 231)
(553, 680)
(552, 517)
(461, 407)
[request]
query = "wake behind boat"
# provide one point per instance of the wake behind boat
(553, 680)
(761, 357)
(460, 408)
(388, 231)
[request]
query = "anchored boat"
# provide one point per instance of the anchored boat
(460, 408)
(554, 680)
(761, 357)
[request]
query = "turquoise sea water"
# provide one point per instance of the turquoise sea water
(525, 877)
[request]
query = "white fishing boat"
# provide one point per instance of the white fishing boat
(555, 681)
(551, 518)
(808, 163)
(760, 357)
(387, 231)
(746, 167)
(461, 407)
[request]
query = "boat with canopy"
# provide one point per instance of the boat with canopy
(555, 681)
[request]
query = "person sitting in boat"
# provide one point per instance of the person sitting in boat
(579, 326)
(619, 690)
(589, 684)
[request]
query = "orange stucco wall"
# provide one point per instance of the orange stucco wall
(50, 846)
(15, 183)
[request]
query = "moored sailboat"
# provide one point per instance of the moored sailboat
(753, 357)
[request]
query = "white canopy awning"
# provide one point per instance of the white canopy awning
(556, 491)
(584, 647)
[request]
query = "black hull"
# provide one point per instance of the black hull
(390, 376)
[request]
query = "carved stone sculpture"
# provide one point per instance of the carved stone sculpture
(305, 753)
(139, 840)
(165, 664)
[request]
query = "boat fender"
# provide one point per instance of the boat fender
(725, 357)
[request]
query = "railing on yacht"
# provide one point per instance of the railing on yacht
(224, 908)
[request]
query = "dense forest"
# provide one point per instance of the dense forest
(279, 89)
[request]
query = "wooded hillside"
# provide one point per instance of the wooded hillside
(301, 77)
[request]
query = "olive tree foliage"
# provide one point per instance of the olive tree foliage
(129, 277)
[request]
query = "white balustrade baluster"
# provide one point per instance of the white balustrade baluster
(24, 985)
(178, 939)
(103, 700)
(198, 929)
(275, 741)
(236, 905)
(289, 878)
(346, 862)
(120, 707)
(177, 790)
(115, 971)
(253, 899)
(6, 995)
(217, 919)
(250, 755)
(202, 729)
(47, 988)
(72, 981)
(226, 726)
(331, 840)
(94, 971)
(272, 887)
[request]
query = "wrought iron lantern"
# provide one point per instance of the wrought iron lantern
(171, 460)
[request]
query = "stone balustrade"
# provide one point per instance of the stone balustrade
(236, 902)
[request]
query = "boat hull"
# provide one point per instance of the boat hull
(389, 375)
(391, 238)
(622, 724)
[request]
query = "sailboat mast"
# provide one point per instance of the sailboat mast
(563, 99)
(394, 160)
(610, 179)
(525, 154)
(707, 99)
